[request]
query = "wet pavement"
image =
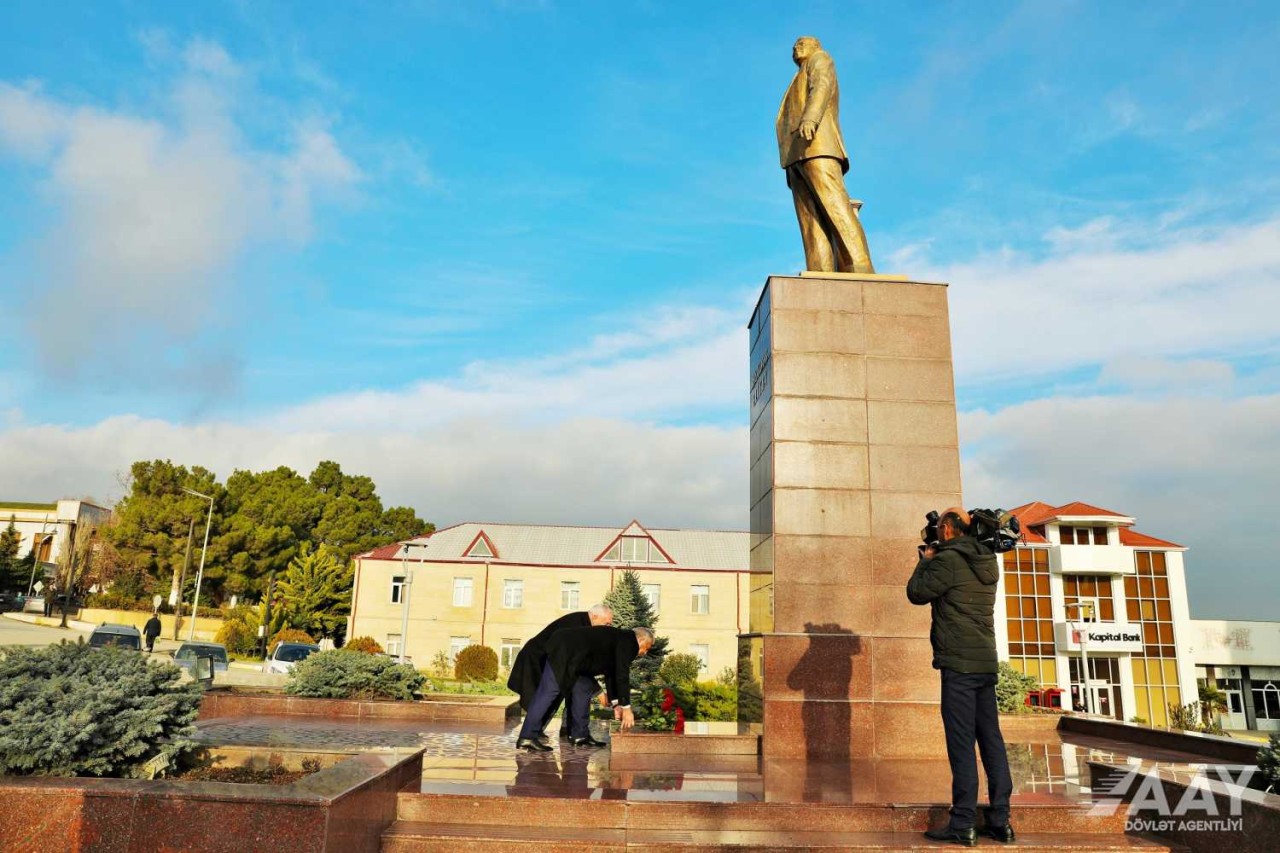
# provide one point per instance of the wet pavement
(481, 760)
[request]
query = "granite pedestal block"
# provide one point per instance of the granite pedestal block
(853, 440)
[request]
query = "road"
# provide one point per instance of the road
(15, 633)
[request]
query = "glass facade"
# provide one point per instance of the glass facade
(1155, 671)
(1029, 613)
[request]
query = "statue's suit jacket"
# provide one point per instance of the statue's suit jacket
(814, 95)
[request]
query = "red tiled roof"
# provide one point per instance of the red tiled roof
(384, 552)
(1033, 513)
(1132, 537)
(1078, 508)
(1030, 537)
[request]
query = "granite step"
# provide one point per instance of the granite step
(421, 837)
(567, 812)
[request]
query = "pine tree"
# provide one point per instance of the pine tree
(632, 609)
(10, 542)
(316, 591)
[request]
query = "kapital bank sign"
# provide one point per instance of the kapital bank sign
(1098, 637)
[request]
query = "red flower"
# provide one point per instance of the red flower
(668, 699)
(679, 721)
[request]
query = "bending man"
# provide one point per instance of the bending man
(575, 657)
(526, 671)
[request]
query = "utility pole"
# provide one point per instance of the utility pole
(265, 627)
(35, 555)
(182, 580)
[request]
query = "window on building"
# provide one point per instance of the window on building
(397, 589)
(512, 593)
(1094, 592)
(1082, 535)
(392, 645)
(1155, 671)
(456, 645)
(480, 547)
(510, 648)
(462, 592)
(635, 549)
(702, 652)
(1029, 617)
(1266, 701)
(570, 594)
(653, 592)
(701, 596)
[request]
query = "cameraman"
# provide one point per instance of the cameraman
(957, 577)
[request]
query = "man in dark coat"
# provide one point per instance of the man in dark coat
(151, 630)
(526, 670)
(575, 657)
(958, 580)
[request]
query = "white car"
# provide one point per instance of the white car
(286, 655)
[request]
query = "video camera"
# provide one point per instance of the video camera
(998, 530)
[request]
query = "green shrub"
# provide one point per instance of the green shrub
(368, 645)
(476, 663)
(289, 635)
(680, 669)
(1012, 688)
(1269, 762)
(72, 710)
(237, 636)
(440, 666)
(711, 701)
(339, 674)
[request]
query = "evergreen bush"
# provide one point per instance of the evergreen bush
(680, 669)
(368, 645)
(476, 663)
(712, 701)
(1269, 762)
(237, 636)
(632, 609)
(289, 635)
(72, 710)
(339, 674)
(1012, 688)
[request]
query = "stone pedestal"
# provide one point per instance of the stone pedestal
(853, 439)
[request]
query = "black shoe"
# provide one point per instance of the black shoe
(564, 734)
(967, 837)
(530, 744)
(541, 737)
(1003, 834)
(587, 741)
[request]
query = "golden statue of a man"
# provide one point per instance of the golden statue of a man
(812, 151)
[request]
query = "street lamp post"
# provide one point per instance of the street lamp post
(35, 555)
(195, 601)
(1084, 610)
(405, 586)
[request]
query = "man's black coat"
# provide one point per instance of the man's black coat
(526, 671)
(595, 651)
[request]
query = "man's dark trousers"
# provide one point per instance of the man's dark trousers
(969, 714)
(535, 717)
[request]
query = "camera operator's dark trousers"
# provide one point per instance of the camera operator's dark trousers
(969, 714)
(548, 693)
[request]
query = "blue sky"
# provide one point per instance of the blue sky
(499, 255)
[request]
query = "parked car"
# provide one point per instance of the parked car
(109, 634)
(187, 653)
(286, 655)
(11, 602)
(34, 604)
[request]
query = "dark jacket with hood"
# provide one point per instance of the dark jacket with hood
(959, 583)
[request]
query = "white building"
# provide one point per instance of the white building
(50, 528)
(1242, 659)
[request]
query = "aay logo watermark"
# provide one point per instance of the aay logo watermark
(1198, 810)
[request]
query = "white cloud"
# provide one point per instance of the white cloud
(1146, 292)
(1198, 473)
(578, 471)
(1156, 374)
(153, 211)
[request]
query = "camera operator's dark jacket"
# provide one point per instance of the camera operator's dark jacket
(959, 582)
